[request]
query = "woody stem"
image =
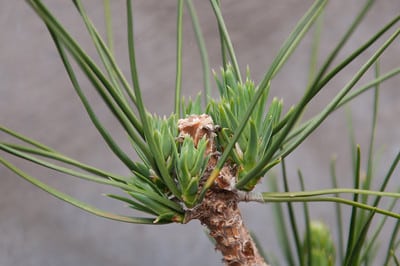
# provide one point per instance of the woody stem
(219, 212)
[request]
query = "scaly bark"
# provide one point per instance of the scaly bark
(219, 210)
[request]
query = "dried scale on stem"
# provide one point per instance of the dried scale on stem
(218, 210)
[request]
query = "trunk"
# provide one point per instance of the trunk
(219, 210)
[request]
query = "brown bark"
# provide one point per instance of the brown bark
(219, 210)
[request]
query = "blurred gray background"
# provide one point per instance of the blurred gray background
(37, 99)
